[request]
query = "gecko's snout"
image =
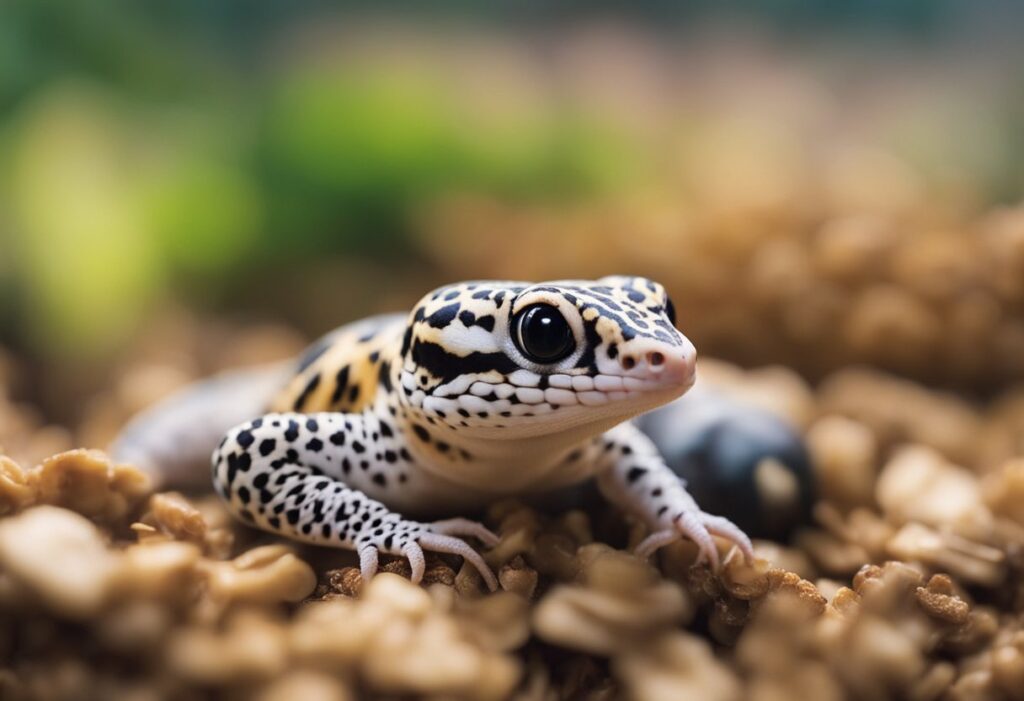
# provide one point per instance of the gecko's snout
(662, 362)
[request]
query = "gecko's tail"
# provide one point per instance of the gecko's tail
(172, 441)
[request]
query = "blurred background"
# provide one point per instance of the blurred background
(205, 184)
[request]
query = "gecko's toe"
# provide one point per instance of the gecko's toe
(655, 541)
(465, 527)
(367, 562)
(691, 525)
(721, 526)
(441, 543)
(417, 562)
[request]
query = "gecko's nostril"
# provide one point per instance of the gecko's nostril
(655, 358)
(628, 362)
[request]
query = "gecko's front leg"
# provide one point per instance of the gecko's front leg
(634, 477)
(298, 475)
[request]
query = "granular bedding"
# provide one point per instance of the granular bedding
(908, 583)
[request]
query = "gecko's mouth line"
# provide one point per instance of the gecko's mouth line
(565, 390)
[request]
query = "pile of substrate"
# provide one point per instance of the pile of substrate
(908, 584)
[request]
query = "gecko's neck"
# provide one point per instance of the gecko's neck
(507, 466)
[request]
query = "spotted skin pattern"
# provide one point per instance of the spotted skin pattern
(440, 411)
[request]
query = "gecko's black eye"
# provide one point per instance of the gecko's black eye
(542, 334)
(670, 311)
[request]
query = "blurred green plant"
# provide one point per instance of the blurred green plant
(157, 149)
(114, 200)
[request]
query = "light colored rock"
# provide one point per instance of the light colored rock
(60, 556)
(918, 484)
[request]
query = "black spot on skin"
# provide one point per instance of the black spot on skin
(443, 447)
(244, 438)
(260, 480)
(470, 319)
(447, 366)
(421, 433)
(390, 456)
(662, 510)
(592, 339)
(634, 474)
(292, 516)
(310, 387)
(315, 445)
(274, 522)
(358, 447)
(635, 296)
(406, 341)
(626, 450)
(385, 430)
(353, 394)
(656, 492)
(237, 463)
(337, 438)
(405, 454)
(451, 295)
(325, 530)
(384, 376)
(482, 294)
(267, 446)
(613, 351)
(312, 425)
(346, 466)
(244, 495)
(463, 413)
(292, 432)
(366, 338)
(444, 316)
(380, 479)
(340, 384)
(499, 299)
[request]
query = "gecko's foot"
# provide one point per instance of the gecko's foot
(439, 537)
(698, 527)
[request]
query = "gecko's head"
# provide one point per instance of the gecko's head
(506, 359)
